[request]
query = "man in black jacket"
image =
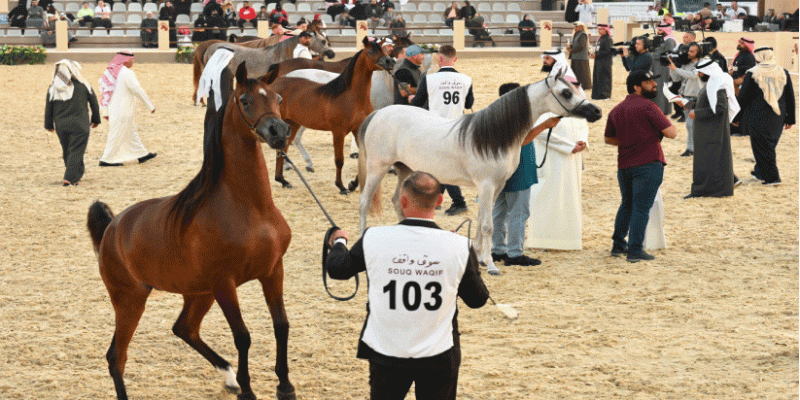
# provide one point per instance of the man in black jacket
(415, 270)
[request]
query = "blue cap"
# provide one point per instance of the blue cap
(413, 50)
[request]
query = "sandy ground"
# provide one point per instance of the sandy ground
(715, 316)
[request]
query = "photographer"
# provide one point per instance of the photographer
(663, 44)
(637, 58)
(715, 55)
(690, 87)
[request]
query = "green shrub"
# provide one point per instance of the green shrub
(185, 54)
(18, 55)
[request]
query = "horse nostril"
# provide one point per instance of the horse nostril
(272, 131)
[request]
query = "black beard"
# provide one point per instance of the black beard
(547, 68)
(705, 78)
(650, 94)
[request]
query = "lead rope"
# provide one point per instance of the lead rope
(326, 247)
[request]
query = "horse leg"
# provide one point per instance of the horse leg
(279, 160)
(302, 150)
(273, 292)
(225, 294)
(129, 300)
(338, 151)
(483, 236)
(187, 327)
(372, 184)
(402, 173)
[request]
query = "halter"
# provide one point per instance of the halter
(252, 127)
(569, 112)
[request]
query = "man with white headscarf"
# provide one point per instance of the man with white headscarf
(768, 107)
(119, 90)
(579, 55)
(712, 173)
(661, 72)
(559, 179)
(67, 114)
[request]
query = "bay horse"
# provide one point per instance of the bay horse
(221, 231)
(338, 106)
(258, 54)
(480, 149)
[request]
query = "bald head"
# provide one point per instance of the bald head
(423, 191)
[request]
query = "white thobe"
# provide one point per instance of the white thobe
(123, 143)
(654, 238)
(301, 51)
(556, 218)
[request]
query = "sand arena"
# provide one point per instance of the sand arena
(715, 316)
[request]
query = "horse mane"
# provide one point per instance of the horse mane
(342, 82)
(495, 128)
(191, 198)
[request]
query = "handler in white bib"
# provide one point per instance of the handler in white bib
(415, 271)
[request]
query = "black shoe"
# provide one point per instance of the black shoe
(455, 210)
(691, 196)
(149, 156)
(736, 181)
(687, 153)
(618, 252)
(106, 164)
(642, 256)
(523, 260)
(753, 174)
(773, 183)
(499, 257)
(676, 115)
(682, 119)
(738, 134)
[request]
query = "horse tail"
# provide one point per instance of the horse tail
(198, 69)
(232, 38)
(375, 204)
(99, 218)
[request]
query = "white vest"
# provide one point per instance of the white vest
(301, 51)
(414, 273)
(447, 92)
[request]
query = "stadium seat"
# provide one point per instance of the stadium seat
(150, 7)
(304, 7)
(117, 33)
(319, 7)
(100, 32)
(439, 7)
(14, 32)
(424, 7)
(270, 7)
(289, 7)
(117, 18)
(72, 7)
(119, 7)
(446, 32)
(250, 32)
(196, 7)
(134, 19)
(435, 19)
(133, 32)
(409, 7)
(348, 32)
(484, 7)
(182, 19)
(330, 32)
(326, 18)
(512, 18)
(499, 7)
(430, 32)
(513, 7)
(31, 33)
(134, 7)
(498, 19)
(59, 7)
(420, 19)
(82, 32)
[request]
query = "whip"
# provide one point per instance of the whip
(326, 247)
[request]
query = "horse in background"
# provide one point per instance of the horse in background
(258, 54)
(480, 149)
(219, 232)
(338, 106)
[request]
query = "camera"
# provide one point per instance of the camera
(631, 47)
(679, 59)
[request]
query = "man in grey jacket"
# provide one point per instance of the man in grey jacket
(690, 87)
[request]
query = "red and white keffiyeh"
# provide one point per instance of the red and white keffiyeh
(108, 81)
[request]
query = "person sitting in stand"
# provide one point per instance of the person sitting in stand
(200, 34)
(85, 15)
(102, 16)
(247, 14)
(451, 14)
(168, 13)
(149, 32)
(216, 26)
(527, 32)
(263, 14)
(279, 16)
(18, 15)
(397, 27)
(36, 16)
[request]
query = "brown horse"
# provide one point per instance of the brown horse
(258, 54)
(221, 231)
(338, 106)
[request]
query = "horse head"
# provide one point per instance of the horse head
(319, 41)
(376, 56)
(259, 109)
(567, 100)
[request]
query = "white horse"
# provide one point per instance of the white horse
(480, 149)
(381, 94)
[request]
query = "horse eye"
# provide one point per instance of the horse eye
(244, 100)
(566, 94)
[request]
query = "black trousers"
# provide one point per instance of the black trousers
(73, 146)
(432, 382)
(455, 194)
(764, 144)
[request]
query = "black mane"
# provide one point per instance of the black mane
(495, 128)
(343, 81)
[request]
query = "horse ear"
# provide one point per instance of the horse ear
(278, 98)
(365, 42)
(241, 74)
(560, 74)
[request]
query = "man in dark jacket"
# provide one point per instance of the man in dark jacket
(149, 31)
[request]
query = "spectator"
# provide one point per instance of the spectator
(301, 27)
(102, 16)
(398, 26)
(733, 11)
(212, 5)
(36, 16)
(228, 14)
(668, 20)
(200, 33)
(280, 16)
(149, 31)
(585, 9)
(468, 11)
(183, 7)
(743, 61)
(651, 14)
(85, 14)
(168, 13)
(263, 14)
(527, 32)
(318, 19)
(719, 13)
(374, 13)
(216, 26)
(17, 16)
(715, 55)
(579, 55)
(451, 14)
(705, 12)
(67, 114)
(247, 15)
(388, 17)
(477, 28)
(344, 19)
(603, 63)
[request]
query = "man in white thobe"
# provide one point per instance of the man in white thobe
(556, 217)
(301, 50)
(120, 89)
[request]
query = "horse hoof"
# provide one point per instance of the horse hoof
(352, 187)
(233, 389)
(287, 185)
(310, 169)
(344, 192)
(249, 396)
(287, 168)
(289, 395)
(354, 155)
